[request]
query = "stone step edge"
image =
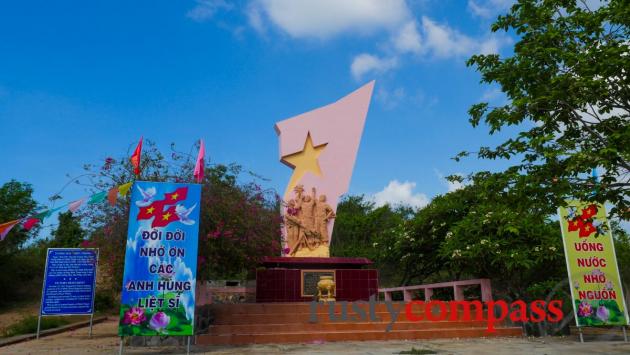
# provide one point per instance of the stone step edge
(351, 322)
(354, 331)
(350, 312)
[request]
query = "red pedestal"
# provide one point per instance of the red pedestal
(280, 279)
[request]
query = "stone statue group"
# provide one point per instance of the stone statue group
(307, 220)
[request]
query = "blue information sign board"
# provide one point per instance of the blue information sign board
(69, 281)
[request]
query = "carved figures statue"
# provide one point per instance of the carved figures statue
(323, 214)
(292, 222)
(307, 220)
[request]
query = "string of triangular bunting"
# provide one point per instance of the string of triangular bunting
(31, 221)
(111, 195)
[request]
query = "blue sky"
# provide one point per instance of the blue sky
(81, 81)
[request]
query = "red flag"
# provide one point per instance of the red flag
(589, 212)
(586, 230)
(135, 158)
(30, 223)
(164, 218)
(176, 196)
(575, 224)
(199, 166)
(150, 211)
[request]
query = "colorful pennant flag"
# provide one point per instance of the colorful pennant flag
(73, 206)
(112, 195)
(30, 223)
(34, 220)
(124, 189)
(45, 214)
(5, 228)
(199, 166)
(135, 158)
(97, 197)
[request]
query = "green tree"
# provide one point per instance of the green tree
(504, 237)
(69, 233)
(622, 250)
(358, 225)
(479, 231)
(239, 222)
(360, 229)
(16, 201)
(568, 89)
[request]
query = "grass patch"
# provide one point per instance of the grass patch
(415, 351)
(28, 325)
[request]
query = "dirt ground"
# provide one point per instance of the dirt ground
(16, 313)
(105, 341)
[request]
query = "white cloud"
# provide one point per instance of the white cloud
(390, 99)
(205, 9)
(454, 185)
(444, 41)
(450, 185)
(255, 18)
(494, 96)
(366, 63)
(493, 43)
(437, 40)
(491, 94)
(489, 8)
(408, 39)
(397, 193)
(327, 18)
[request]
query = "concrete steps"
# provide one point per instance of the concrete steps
(340, 326)
(259, 323)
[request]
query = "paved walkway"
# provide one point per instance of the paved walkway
(105, 341)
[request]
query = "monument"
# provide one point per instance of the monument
(320, 146)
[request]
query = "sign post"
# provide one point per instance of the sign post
(69, 283)
(158, 294)
(596, 290)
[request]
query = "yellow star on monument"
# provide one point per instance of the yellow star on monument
(166, 216)
(174, 196)
(150, 209)
(303, 162)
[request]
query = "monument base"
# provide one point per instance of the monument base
(321, 251)
(294, 279)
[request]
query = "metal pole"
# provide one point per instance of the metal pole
(188, 345)
(91, 321)
(625, 335)
(581, 335)
(39, 323)
(120, 349)
(94, 289)
(41, 299)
